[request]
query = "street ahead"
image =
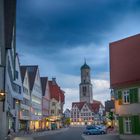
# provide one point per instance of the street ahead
(71, 134)
(75, 133)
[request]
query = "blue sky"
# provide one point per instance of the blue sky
(58, 34)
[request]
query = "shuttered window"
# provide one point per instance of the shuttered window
(127, 125)
(126, 97)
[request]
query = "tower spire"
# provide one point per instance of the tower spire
(85, 60)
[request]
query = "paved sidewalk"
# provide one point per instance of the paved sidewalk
(101, 137)
(130, 137)
(37, 134)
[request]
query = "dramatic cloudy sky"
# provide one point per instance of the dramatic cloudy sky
(58, 34)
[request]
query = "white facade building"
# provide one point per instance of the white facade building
(17, 93)
(26, 102)
(36, 97)
(67, 113)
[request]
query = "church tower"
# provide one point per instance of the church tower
(85, 86)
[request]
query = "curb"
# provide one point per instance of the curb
(38, 134)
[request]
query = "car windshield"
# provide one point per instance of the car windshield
(90, 127)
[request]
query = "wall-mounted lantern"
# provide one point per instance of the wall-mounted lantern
(2, 95)
(17, 101)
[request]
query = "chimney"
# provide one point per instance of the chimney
(54, 81)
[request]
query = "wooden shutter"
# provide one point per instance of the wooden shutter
(135, 124)
(134, 95)
(120, 95)
(121, 127)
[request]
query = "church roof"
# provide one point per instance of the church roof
(78, 104)
(94, 107)
(85, 66)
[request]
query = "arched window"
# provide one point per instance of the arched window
(84, 90)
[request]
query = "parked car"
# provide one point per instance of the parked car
(93, 130)
(90, 126)
(102, 127)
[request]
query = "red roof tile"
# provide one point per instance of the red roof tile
(78, 104)
(94, 107)
(62, 96)
(54, 91)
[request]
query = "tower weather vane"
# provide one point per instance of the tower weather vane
(85, 60)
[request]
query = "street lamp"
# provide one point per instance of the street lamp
(17, 101)
(2, 95)
(2, 98)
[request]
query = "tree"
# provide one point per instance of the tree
(67, 121)
(111, 117)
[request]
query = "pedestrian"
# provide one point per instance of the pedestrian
(34, 128)
(9, 135)
(27, 130)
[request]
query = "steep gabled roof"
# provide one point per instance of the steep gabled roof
(54, 90)
(23, 71)
(44, 81)
(62, 96)
(95, 106)
(98, 102)
(78, 104)
(32, 70)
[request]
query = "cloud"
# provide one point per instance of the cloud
(58, 35)
(101, 92)
(69, 61)
(71, 95)
(69, 83)
(57, 25)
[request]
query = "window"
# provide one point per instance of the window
(52, 111)
(16, 74)
(25, 90)
(84, 89)
(53, 103)
(127, 125)
(17, 88)
(26, 102)
(126, 97)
